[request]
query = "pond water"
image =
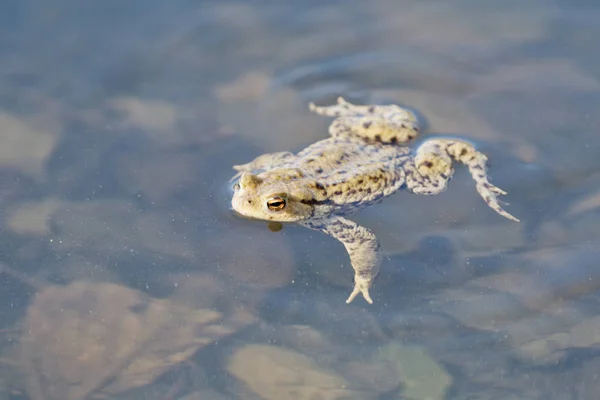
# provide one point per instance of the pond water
(123, 272)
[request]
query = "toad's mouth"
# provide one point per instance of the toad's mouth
(274, 226)
(243, 216)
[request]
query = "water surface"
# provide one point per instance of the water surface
(124, 273)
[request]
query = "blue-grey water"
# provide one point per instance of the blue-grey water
(124, 274)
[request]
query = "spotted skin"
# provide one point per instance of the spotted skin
(362, 162)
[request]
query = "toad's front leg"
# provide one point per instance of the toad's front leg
(363, 249)
(263, 162)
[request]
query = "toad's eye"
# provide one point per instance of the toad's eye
(276, 203)
(236, 186)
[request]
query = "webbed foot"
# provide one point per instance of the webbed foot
(489, 193)
(434, 162)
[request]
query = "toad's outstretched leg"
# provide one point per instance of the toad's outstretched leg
(387, 124)
(434, 169)
(263, 162)
(362, 247)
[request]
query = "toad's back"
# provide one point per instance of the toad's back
(352, 172)
(347, 155)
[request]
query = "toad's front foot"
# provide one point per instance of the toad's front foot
(361, 286)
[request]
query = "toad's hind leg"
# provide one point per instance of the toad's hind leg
(387, 124)
(344, 108)
(433, 162)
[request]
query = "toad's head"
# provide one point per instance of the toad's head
(272, 196)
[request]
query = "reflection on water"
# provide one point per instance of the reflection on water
(123, 273)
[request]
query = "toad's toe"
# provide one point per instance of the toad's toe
(360, 287)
